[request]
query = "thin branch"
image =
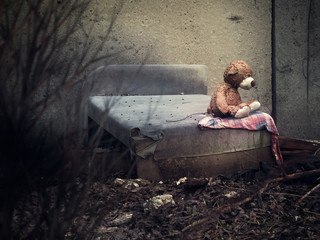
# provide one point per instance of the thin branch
(226, 207)
(308, 193)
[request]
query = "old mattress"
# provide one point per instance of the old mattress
(165, 141)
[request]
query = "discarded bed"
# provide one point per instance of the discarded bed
(154, 110)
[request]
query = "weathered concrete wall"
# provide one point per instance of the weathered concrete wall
(207, 32)
(296, 67)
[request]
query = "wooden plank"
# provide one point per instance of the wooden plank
(298, 144)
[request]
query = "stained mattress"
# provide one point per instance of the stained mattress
(168, 126)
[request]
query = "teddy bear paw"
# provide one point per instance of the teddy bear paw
(254, 106)
(243, 112)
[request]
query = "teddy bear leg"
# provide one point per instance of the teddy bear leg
(243, 112)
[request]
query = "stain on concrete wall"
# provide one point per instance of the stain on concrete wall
(296, 66)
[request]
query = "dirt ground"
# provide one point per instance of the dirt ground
(207, 208)
(259, 204)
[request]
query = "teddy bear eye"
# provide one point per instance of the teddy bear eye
(249, 75)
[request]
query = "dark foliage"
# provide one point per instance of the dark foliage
(36, 75)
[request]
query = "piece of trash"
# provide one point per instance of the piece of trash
(158, 201)
(231, 194)
(181, 180)
(130, 183)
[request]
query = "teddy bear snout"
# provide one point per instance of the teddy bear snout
(247, 83)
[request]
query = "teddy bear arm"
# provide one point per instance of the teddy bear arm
(254, 105)
(221, 102)
(224, 107)
(241, 105)
(233, 110)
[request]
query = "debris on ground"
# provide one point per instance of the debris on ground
(258, 204)
(158, 201)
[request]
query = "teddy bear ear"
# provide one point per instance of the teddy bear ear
(232, 70)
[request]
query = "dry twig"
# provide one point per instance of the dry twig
(216, 212)
(308, 193)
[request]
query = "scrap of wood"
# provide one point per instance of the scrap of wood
(298, 151)
(295, 176)
(296, 144)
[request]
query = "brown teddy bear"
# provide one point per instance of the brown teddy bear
(226, 100)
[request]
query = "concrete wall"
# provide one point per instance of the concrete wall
(207, 32)
(296, 67)
(213, 33)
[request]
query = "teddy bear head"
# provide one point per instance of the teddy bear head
(239, 74)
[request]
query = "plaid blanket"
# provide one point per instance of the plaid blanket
(255, 121)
